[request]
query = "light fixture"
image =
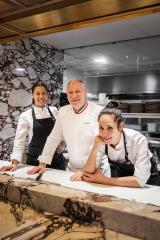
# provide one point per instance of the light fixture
(100, 60)
(20, 69)
(145, 58)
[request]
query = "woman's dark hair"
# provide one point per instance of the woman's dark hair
(39, 84)
(112, 108)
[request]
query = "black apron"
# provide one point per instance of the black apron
(41, 130)
(127, 168)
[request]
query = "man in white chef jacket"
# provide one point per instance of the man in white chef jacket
(77, 124)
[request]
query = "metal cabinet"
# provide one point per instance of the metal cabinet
(149, 125)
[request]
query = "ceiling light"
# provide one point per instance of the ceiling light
(19, 69)
(100, 60)
(146, 58)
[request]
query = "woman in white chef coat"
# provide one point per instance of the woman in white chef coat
(121, 154)
(37, 123)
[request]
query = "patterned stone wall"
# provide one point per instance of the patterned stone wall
(40, 63)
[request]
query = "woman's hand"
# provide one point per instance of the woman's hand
(98, 141)
(77, 176)
(90, 165)
(11, 168)
(37, 169)
(96, 177)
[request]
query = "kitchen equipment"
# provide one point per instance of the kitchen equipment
(102, 98)
(124, 107)
(152, 107)
(151, 127)
(154, 127)
(136, 107)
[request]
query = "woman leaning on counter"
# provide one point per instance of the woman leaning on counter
(37, 123)
(122, 154)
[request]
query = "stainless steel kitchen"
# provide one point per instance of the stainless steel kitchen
(93, 53)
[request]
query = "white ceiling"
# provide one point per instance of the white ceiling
(135, 38)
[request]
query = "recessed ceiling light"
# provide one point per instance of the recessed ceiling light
(100, 60)
(146, 58)
(19, 69)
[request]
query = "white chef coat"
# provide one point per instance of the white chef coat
(138, 154)
(78, 131)
(25, 127)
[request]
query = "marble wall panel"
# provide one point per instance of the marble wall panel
(40, 63)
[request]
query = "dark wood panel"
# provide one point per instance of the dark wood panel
(6, 7)
(44, 17)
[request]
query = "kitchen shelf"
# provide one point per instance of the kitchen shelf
(154, 142)
(141, 115)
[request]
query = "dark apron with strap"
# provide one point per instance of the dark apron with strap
(41, 130)
(121, 169)
(127, 168)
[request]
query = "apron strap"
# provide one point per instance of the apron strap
(33, 114)
(51, 114)
(126, 152)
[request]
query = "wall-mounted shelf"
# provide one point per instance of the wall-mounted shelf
(141, 115)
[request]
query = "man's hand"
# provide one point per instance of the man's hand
(11, 167)
(38, 169)
(96, 177)
(76, 177)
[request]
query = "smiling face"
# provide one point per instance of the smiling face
(40, 96)
(76, 94)
(109, 130)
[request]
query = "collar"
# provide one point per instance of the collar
(81, 109)
(40, 108)
(120, 145)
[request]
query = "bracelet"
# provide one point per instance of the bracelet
(15, 162)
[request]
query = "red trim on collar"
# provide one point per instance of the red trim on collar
(82, 109)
